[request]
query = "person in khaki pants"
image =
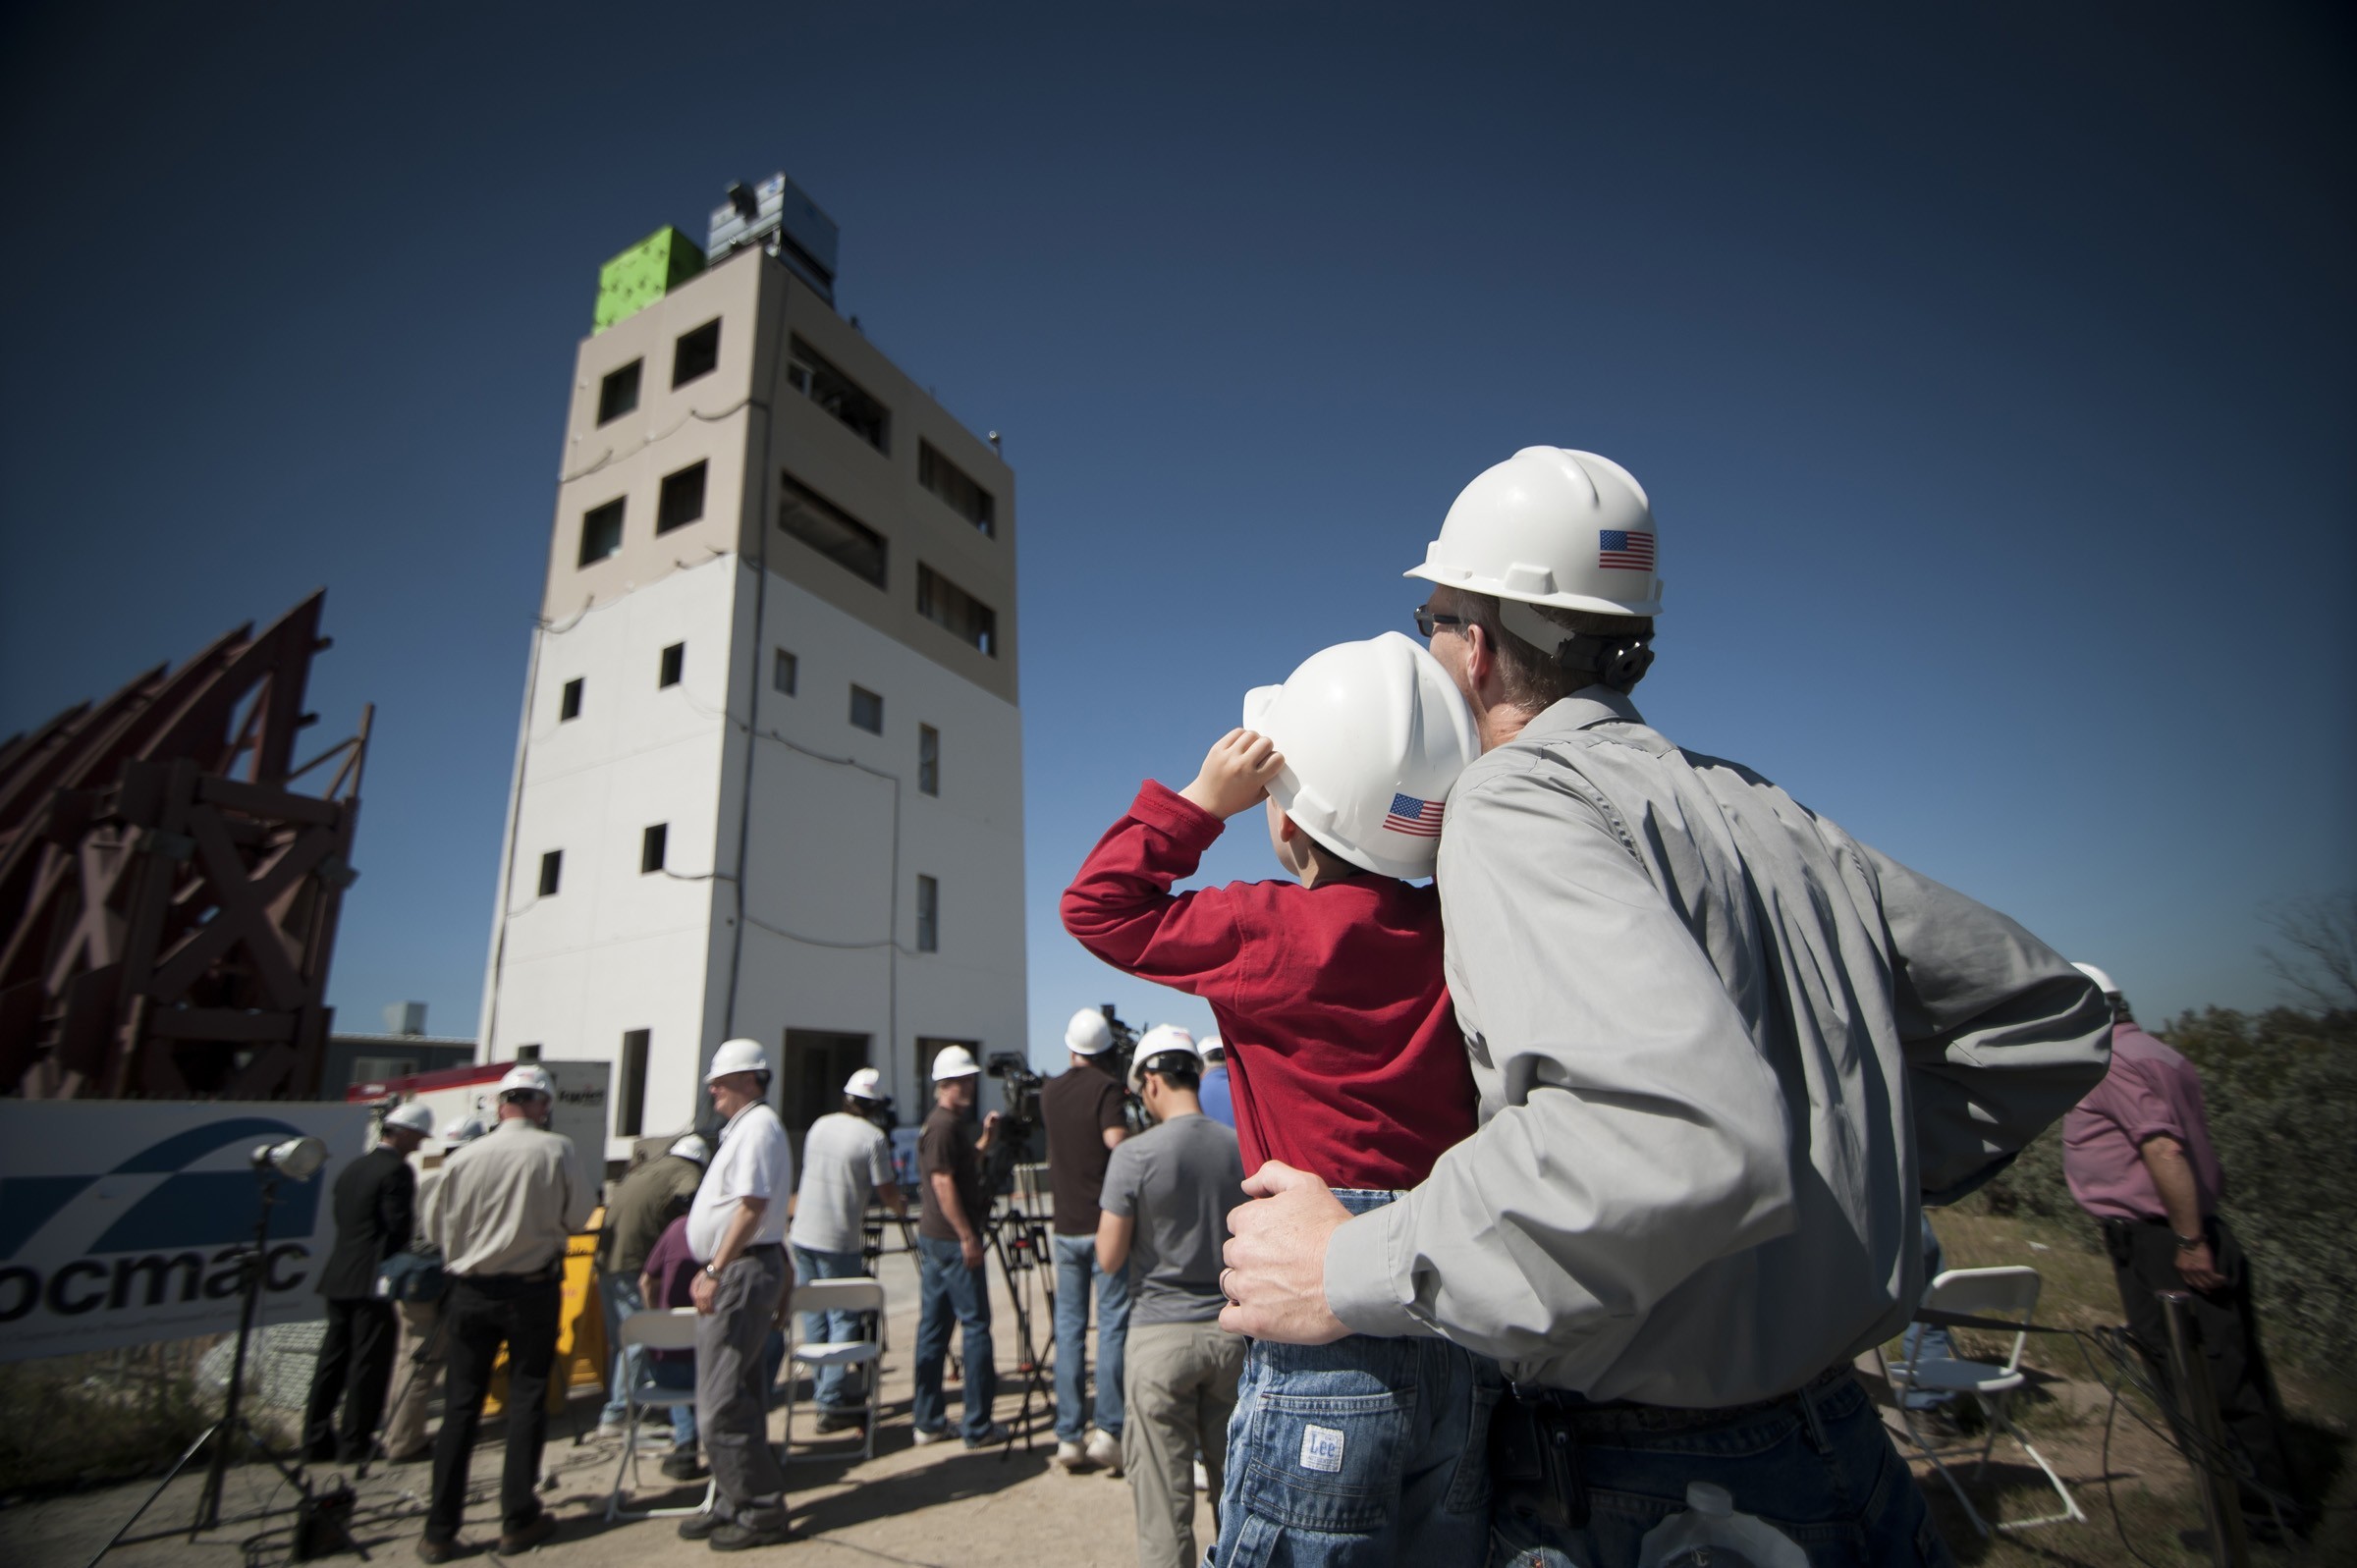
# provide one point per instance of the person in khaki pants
(1163, 1217)
(421, 1351)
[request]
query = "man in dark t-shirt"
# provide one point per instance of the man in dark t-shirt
(1082, 1111)
(954, 1206)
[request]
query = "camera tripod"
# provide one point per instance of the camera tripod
(1020, 1238)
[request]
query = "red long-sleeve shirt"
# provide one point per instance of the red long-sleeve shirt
(1342, 1046)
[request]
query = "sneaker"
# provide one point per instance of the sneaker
(996, 1434)
(512, 1541)
(699, 1526)
(607, 1427)
(842, 1420)
(1105, 1451)
(680, 1464)
(923, 1436)
(738, 1536)
(431, 1551)
(1072, 1456)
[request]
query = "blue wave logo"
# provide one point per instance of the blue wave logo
(168, 1205)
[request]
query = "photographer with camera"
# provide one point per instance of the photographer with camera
(846, 1160)
(1082, 1110)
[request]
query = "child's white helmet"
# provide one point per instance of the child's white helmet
(1373, 733)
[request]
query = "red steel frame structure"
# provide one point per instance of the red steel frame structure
(168, 898)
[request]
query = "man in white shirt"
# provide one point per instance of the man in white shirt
(845, 1161)
(737, 1229)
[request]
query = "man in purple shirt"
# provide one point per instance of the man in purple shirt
(2138, 1156)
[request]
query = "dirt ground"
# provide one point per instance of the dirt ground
(943, 1506)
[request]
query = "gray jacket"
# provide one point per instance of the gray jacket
(1722, 1049)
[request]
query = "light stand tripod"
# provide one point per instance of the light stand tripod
(298, 1158)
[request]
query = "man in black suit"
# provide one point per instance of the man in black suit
(375, 1212)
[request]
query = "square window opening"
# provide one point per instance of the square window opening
(682, 497)
(928, 914)
(953, 485)
(601, 532)
(527, 1053)
(928, 760)
(809, 373)
(830, 531)
(618, 394)
(785, 672)
(651, 846)
(967, 618)
(675, 661)
(570, 705)
(868, 711)
(552, 872)
(697, 353)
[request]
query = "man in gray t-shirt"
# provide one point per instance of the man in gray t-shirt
(1165, 1218)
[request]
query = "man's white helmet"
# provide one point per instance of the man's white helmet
(466, 1132)
(865, 1084)
(955, 1061)
(1088, 1034)
(2104, 981)
(529, 1079)
(413, 1116)
(1551, 526)
(737, 1055)
(1214, 1049)
(1159, 1039)
(1373, 733)
(691, 1147)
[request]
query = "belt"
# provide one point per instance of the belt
(1627, 1415)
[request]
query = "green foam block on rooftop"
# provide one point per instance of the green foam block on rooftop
(644, 274)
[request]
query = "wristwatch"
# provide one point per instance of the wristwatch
(2188, 1243)
(711, 1272)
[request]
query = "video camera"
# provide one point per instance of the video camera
(1019, 1121)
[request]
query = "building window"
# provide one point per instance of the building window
(697, 353)
(552, 868)
(945, 604)
(928, 915)
(630, 1089)
(808, 374)
(682, 498)
(568, 706)
(928, 760)
(785, 672)
(868, 711)
(601, 532)
(651, 849)
(830, 531)
(618, 394)
(947, 480)
(527, 1053)
(674, 660)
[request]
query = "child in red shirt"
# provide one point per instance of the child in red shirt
(1345, 1061)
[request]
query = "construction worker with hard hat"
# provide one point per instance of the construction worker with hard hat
(1724, 1052)
(375, 1204)
(501, 1216)
(847, 1165)
(1343, 1059)
(1084, 1115)
(736, 1234)
(954, 1209)
(645, 1201)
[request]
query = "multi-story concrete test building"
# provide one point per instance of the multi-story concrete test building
(769, 781)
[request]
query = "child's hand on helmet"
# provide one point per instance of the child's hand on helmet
(1236, 772)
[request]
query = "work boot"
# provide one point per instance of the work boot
(738, 1536)
(512, 1541)
(432, 1550)
(680, 1464)
(699, 1526)
(832, 1420)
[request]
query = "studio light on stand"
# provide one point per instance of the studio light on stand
(294, 1160)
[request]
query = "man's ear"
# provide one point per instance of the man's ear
(1481, 656)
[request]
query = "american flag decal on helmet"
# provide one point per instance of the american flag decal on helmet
(1419, 819)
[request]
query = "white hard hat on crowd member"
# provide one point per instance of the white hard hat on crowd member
(412, 1117)
(1158, 1041)
(2104, 981)
(1551, 526)
(865, 1084)
(1214, 1049)
(1373, 735)
(692, 1145)
(1088, 1034)
(466, 1132)
(955, 1061)
(737, 1055)
(526, 1078)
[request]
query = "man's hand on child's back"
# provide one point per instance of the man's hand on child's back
(1236, 772)
(1275, 1280)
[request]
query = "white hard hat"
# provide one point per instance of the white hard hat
(525, 1077)
(414, 1116)
(1551, 526)
(466, 1132)
(1088, 1034)
(865, 1084)
(2104, 981)
(1373, 735)
(1212, 1046)
(955, 1061)
(1158, 1041)
(691, 1147)
(737, 1055)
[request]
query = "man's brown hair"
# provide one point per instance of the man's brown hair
(1531, 676)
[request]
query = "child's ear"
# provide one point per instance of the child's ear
(1286, 830)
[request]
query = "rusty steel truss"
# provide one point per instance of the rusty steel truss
(168, 898)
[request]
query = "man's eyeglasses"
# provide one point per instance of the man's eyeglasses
(1428, 618)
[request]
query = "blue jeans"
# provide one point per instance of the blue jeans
(1076, 1267)
(679, 1374)
(1365, 1451)
(835, 1383)
(1818, 1467)
(620, 1295)
(948, 1290)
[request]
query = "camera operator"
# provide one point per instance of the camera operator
(1081, 1108)
(956, 1206)
(845, 1161)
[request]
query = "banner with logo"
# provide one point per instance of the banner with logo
(121, 1221)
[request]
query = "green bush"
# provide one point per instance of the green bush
(2281, 1089)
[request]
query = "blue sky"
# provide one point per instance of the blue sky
(1990, 373)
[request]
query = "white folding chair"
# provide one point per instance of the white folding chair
(654, 1330)
(2010, 1293)
(835, 1295)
